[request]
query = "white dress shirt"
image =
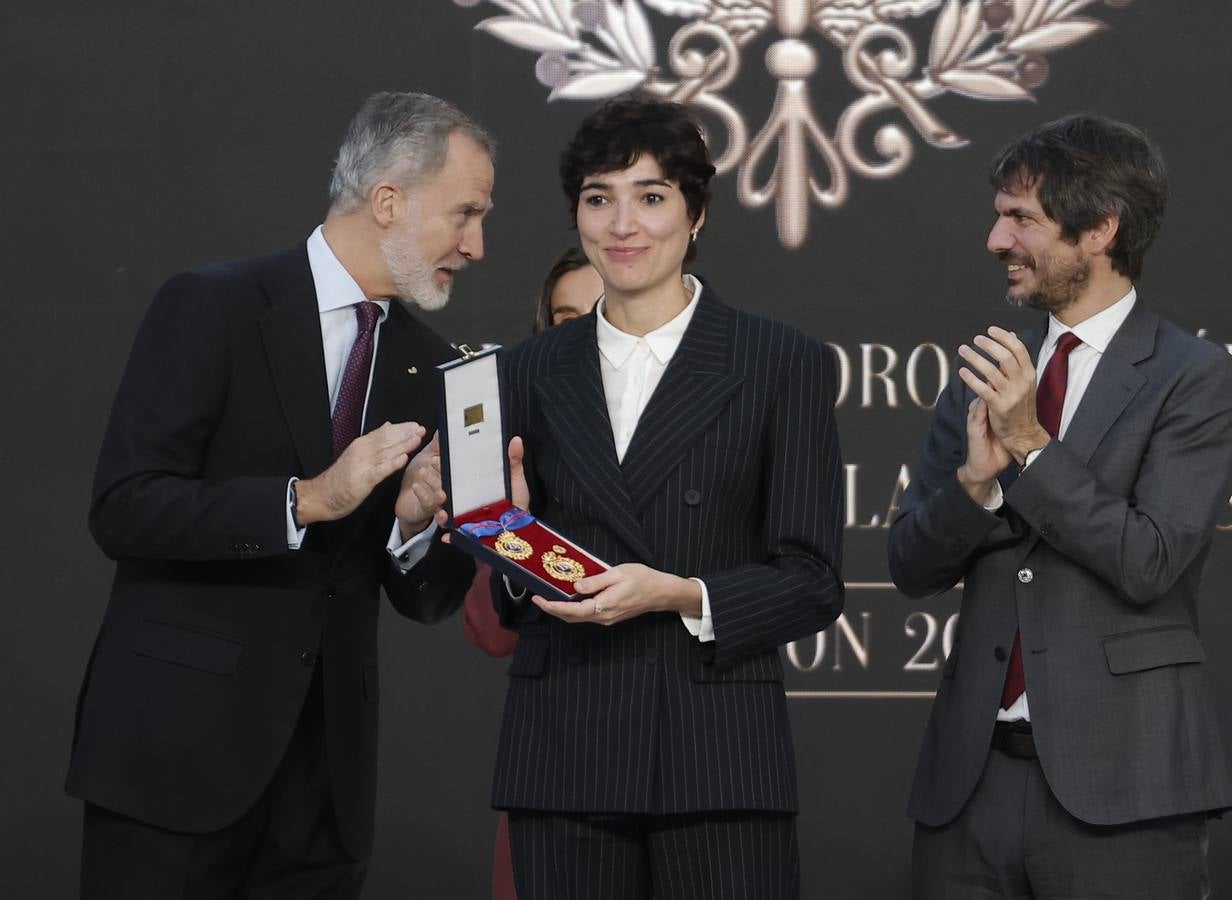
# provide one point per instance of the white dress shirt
(632, 367)
(337, 293)
(1096, 334)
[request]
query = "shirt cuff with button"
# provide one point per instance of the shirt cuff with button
(701, 627)
(295, 534)
(996, 496)
(407, 554)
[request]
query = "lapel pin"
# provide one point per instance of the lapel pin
(412, 371)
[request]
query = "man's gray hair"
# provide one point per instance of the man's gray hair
(397, 137)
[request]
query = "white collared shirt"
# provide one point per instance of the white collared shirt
(337, 293)
(1096, 334)
(632, 368)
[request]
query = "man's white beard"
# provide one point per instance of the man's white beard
(411, 274)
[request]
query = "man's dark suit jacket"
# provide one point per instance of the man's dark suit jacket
(733, 475)
(1096, 556)
(214, 627)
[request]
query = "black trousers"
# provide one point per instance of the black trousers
(285, 848)
(1015, 840)
(705, 856)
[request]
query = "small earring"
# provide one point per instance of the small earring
(693, 236)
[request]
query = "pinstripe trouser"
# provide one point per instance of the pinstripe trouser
(698, 856)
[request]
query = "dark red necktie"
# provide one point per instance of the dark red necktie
(1049, 401)
(349, 407)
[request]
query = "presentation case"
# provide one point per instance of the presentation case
(475, 476)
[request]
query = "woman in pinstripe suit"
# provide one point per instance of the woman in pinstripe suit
(645, 747)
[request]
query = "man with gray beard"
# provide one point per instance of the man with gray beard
(1070, 480)
(263, 475)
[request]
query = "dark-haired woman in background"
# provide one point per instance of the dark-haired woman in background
(570, 290)
(645, 745)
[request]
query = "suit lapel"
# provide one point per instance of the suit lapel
(575, 410)
(695, 388)
(291, 333)
(1114, 383)
(404, 375)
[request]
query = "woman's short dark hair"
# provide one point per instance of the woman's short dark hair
(620, 131)
(1086, 167)
(569, 261)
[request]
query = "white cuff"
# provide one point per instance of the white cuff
(408, 554)
(701, 628)
(295, 536)
(995, 497)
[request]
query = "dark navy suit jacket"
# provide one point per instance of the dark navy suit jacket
(214, 627)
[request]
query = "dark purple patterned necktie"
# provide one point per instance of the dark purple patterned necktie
(1049, 401)
(349, 407)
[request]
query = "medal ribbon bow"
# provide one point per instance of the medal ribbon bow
(510, 520)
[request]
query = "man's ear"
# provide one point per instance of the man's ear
(387, 203)
(1102, 238)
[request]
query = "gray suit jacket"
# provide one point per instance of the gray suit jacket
(1096, 557)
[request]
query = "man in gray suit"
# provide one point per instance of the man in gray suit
(1072, 750)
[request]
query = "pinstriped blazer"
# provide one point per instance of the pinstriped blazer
(733, 475)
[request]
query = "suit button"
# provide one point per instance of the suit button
(999, 654)
(1025, 575)
(308, 658)
(330, 595)
(692, 497)
(423, 586)
(651, 656)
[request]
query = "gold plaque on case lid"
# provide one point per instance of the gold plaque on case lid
(472, 415)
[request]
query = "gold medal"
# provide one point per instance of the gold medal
(511, 546)
(561, 567)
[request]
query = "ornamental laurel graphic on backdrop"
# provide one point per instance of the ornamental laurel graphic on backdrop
(982, 49)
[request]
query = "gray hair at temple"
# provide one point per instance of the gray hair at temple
(400, 138)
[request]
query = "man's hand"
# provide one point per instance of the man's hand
(369, 460)
(421, 496)
(626, 591)
(986, 458)
(1008, 388)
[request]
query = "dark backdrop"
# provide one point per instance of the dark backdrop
(143, 137)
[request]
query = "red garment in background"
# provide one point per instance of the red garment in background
(479, 619)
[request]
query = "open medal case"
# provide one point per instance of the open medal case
(475, 478)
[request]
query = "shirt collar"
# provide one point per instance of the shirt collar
(1098, 330)
(616, 345)
(336, 288)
